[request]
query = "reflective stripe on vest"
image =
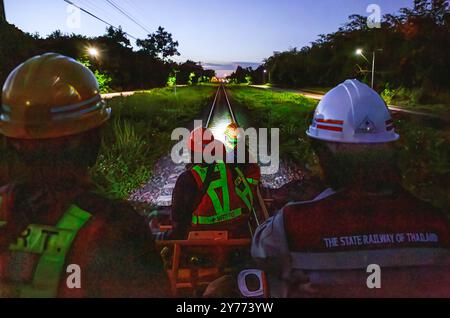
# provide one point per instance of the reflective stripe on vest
(53, 244)
(222, 209)
(208, 220)
(246, 194)
(252, 181)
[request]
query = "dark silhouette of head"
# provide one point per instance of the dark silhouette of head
(367, 167)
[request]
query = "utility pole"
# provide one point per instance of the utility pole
(175, 87)
(373, 70)
(360, 52)
(2, 12)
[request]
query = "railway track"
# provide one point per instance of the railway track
(221, 114)
(158, 192)
(221, 89)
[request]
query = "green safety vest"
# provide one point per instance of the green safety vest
(52, 244)
(222, 208)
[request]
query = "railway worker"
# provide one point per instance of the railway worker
(250, 168)
(51, 220)
(364, 218)
(215, 196)
(231, 137)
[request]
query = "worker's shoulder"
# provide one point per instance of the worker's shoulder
(186, 179)
(188, 173)
(250, 170)
(112, 219)
(399, 202)
(115, 250)
(311, 201)
(409, 205)
(114, 229)
(102, 207)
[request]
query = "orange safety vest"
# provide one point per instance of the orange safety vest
(227, 198)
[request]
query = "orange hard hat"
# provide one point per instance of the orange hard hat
(51, 96)
(200, 138)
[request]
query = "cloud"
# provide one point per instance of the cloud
(226, 68)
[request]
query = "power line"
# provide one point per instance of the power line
(110, 13)
(137, 12)
(96, 17)
(94, 8)
(112, 3)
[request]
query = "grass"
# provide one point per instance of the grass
(422, 153)
(440, 110)
(316, 90)
(423, 158)
(419, 100)
(412, 99)
(139, 134)
(290, 112)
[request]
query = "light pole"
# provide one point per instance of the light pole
(360, 52)
(265, 76)
(176, 72)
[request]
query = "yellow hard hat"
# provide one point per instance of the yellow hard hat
(51, 96)
(232, 132)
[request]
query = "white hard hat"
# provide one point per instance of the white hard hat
(352, 112)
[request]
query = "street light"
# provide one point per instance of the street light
(361, 53)
(93, 52)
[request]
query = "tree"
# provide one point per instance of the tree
(172, 79)
(245, 75)
(159, 45)
(104, 79)
(16, 46)
(415, 45)
(190, 71)
(117, 67)
(117, 36)
(55, 35)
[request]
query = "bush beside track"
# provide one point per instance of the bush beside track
(139, 134)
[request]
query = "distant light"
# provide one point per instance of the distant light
(359, 51)
(218, 129)
(93, 52)
(265, 71)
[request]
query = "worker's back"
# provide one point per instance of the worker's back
(333, 242)
(213, 197)
(111, 245)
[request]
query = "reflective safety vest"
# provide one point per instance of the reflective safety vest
(227, 197)
(50, 244)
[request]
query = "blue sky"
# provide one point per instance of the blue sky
(219, 33)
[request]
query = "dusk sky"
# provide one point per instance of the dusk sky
(220, 34)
